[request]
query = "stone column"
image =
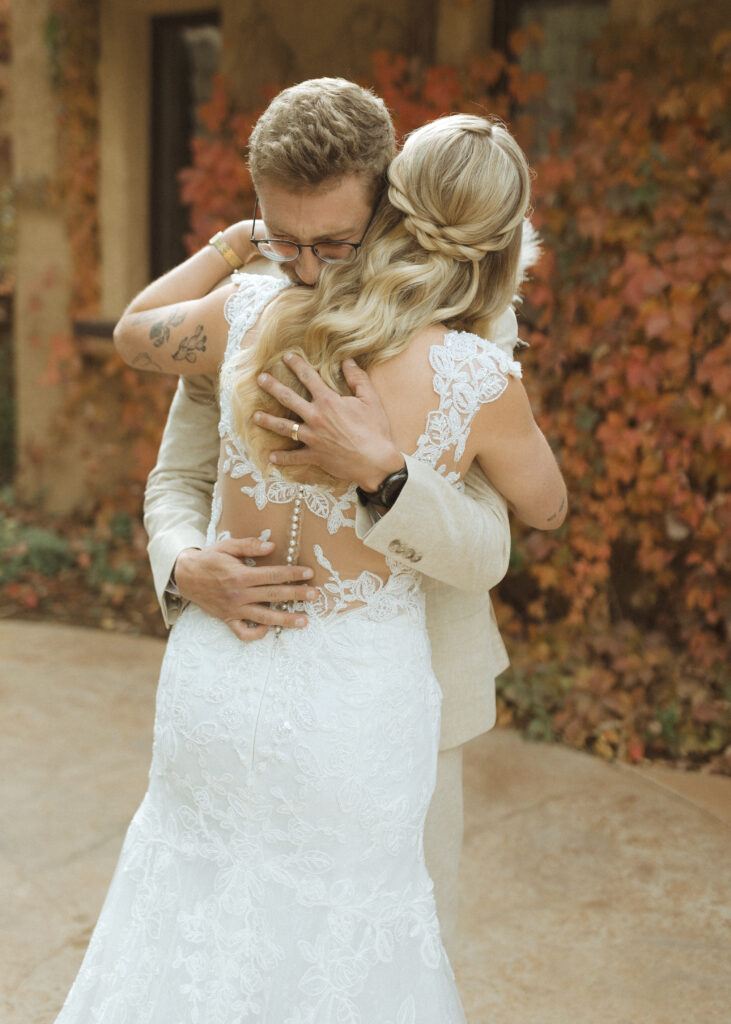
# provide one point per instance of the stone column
(46, 472)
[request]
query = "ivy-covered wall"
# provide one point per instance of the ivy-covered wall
(621, 621)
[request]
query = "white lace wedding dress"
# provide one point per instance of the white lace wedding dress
(274, 871)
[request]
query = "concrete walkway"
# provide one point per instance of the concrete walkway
(590, 892)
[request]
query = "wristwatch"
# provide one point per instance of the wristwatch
(389, 489)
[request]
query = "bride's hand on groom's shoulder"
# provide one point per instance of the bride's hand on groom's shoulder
(219, 580)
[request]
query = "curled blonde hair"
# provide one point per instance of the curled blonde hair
(443, 247)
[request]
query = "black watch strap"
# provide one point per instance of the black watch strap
(388, 491)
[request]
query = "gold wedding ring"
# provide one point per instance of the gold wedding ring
(294, 432)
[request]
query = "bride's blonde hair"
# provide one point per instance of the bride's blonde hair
(443, 247)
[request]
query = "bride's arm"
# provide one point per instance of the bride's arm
(176, 324)
(464, 539)
(186, 337)
(515, 456)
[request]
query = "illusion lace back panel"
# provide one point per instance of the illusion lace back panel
(448, 382)
(274, 871)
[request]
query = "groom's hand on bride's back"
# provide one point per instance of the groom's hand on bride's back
(220, 582)
(349, 436)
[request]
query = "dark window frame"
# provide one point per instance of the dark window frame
(170, 132)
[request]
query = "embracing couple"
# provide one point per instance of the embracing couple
(326, 518)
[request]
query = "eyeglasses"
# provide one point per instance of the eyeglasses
(281, 251)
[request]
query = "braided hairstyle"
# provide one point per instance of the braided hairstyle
(443, 247)
(463, 225)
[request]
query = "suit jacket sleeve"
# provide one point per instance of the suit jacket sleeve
(179, 489)
(460, 538)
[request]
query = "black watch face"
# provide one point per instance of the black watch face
(393, 488)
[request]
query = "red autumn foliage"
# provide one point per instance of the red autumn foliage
(624, 613)
(619, 621)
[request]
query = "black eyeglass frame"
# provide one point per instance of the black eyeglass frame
(355, 246)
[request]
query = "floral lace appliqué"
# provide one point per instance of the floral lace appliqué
(400, 593)
(335, 507)
(468, 373)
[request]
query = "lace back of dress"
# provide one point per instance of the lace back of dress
(463, 373)
(246, 503)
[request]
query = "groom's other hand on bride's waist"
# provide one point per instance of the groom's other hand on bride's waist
(349, 436)
(219, 580)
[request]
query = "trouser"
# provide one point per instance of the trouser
(443, 841)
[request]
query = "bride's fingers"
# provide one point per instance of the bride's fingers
(286, 396)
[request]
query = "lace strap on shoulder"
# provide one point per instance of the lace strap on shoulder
(468, 372)
(244, 305)
(489, 353)
(466, 359)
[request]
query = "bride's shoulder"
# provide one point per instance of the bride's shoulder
(249, 292)
(464, 349)
(247, 297)
(459, 355)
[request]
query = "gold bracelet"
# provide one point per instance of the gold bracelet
(220, 243)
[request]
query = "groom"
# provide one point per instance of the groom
(318, 157)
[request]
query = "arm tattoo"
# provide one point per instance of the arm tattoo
(145, 362)
(558, 513)
(160, 331)
(189, 347)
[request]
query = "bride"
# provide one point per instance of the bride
(274, 871)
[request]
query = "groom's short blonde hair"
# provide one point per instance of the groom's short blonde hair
(320, 130)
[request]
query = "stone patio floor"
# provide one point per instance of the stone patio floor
(590, 893)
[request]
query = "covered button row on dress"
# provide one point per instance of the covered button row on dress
(295, 527)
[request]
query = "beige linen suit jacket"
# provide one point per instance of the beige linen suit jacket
(459, 541)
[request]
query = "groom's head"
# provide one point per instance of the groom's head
(318, 157)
